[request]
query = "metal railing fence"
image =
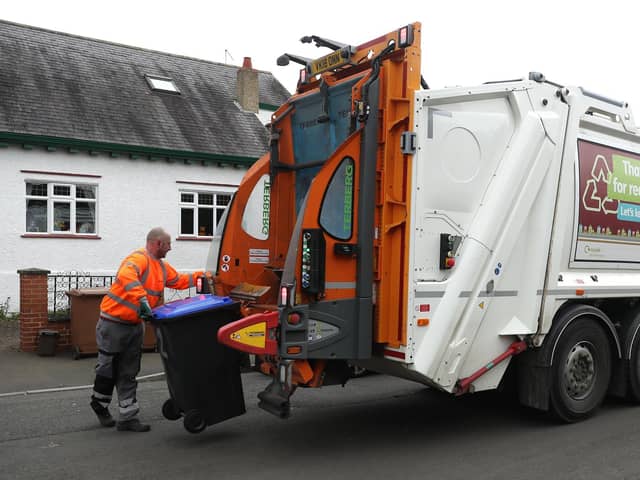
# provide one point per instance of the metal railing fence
(60, 283)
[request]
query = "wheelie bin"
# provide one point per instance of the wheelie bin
(202, 375)
(84, 308)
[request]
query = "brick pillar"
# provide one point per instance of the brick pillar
(33, 306)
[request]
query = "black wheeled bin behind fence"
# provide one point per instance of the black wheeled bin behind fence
(203, 376)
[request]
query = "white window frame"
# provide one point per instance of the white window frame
(162, 84)
(52, 199)
(216, 206)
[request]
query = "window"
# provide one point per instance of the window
(61, 208)
(255, 219)
(336, 215)
(162, 84)
(201, 212)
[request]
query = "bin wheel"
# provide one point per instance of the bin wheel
(170, 410)
(194, 422)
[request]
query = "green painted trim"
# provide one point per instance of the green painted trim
(266, 106)
(74, 146)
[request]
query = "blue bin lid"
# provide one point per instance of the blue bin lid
(191, 305)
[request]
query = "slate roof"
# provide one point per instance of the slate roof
(59, 85)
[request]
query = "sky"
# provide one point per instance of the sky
(590, 44)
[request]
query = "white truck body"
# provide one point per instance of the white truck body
(500, 166)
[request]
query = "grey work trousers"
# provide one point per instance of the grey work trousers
(119, 354)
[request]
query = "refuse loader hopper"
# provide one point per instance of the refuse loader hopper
(314, 244)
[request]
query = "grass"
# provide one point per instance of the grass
(5, 315)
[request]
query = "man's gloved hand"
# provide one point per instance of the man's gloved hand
(145, 309)
(208, 282)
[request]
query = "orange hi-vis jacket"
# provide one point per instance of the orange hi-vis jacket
(141, 275)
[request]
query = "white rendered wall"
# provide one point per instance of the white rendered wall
(133, 197)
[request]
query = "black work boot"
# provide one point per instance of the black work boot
(102, 412)
(133, 425)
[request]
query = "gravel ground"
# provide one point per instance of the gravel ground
(9, 334)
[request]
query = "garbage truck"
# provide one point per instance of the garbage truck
(453, 237)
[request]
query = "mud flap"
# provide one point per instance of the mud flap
(534, 380)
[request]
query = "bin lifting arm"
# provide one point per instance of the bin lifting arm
(253, 334)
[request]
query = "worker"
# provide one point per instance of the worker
(138, 287)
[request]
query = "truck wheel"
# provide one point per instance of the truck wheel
(194, 422)
(632, 345)
(581, 370)
(170, 410)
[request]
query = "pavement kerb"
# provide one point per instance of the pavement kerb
(143, 378)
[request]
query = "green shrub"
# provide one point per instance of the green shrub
(5, 314)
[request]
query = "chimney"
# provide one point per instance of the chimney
(247, 92)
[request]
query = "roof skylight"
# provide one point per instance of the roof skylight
(161, 84)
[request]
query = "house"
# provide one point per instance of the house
(99, 142)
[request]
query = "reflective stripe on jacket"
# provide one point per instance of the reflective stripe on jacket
(141, 275)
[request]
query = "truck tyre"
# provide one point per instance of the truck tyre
(194, 422)
(580, 371)
(632, 349)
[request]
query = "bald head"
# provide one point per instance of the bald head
(158, 242)
(157, 233)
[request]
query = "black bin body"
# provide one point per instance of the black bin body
(203, 376)
(47, 343)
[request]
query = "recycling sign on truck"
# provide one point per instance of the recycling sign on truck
(609, 205)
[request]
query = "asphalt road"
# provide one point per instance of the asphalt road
(375, 427)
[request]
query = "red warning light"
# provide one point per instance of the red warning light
(405, 36)
(284, 296)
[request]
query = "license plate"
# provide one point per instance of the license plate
(328, 62)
